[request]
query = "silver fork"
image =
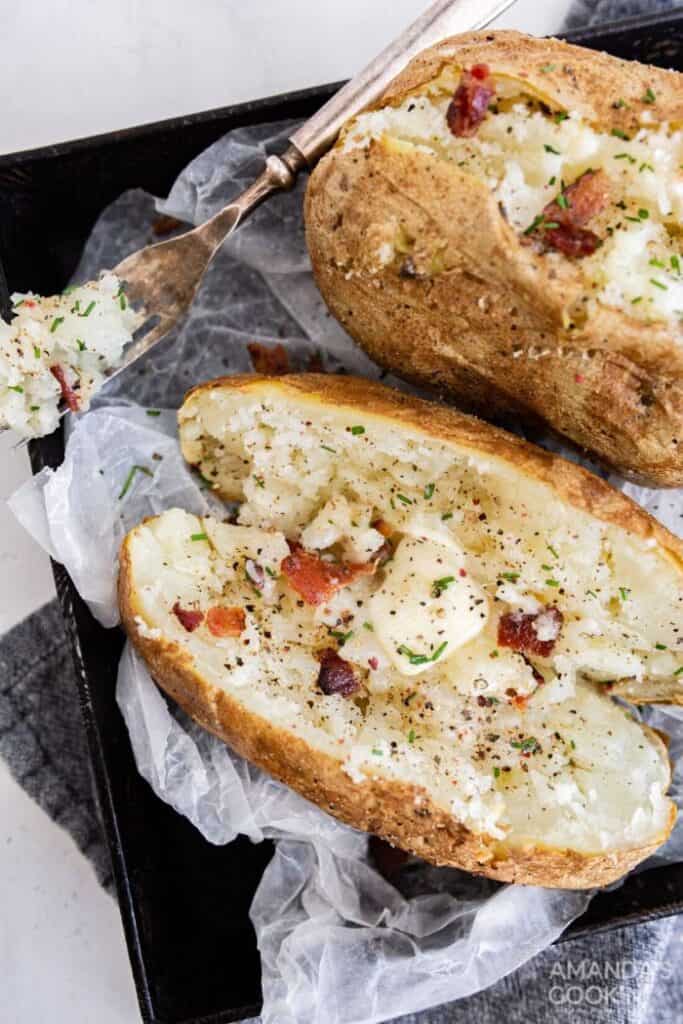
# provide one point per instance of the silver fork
(163, 278)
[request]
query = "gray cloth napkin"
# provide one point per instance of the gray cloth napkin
(627, 976)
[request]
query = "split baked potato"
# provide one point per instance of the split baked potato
(504, 225)
(419, 623)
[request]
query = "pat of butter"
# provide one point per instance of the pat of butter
(428, 606)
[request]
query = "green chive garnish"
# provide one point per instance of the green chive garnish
(154, 412)
(55, 323)
(620, 134)
(552, 583)
(15, 387)
(356, 431)
(512, 577)
(649, 96)
(199, 536)
(442, 584)
(658, 284)
(402, 498)
(428, 491)
(89, 308)
(550, 149)
(131, 476)
(36, 351)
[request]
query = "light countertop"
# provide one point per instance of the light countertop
(73, 68)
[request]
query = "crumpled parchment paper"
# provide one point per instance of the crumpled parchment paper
(339, 944)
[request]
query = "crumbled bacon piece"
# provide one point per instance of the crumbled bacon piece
(519, 630)
(317, 580)
(68, 393)
(226, 621)
(189, 618)
(383, 527)
(584, 199)
(531, 633)
(336, 675)
(470, 101)
(270, 359)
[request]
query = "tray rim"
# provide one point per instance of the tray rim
(71, 604)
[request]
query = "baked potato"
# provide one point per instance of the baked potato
(504, 225)
(418, 622)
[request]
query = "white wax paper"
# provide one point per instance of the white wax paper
(339, 944)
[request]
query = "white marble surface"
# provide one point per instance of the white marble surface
(73, 68)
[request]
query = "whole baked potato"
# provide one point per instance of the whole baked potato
(504, 225)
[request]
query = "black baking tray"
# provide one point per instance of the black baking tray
(184, 902)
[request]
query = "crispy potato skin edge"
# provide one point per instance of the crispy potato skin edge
(624, 402)
(388, 809)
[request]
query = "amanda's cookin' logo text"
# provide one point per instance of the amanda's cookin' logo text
(598, 982)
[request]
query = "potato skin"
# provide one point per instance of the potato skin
(402, 814)
(390, 809)
(490, 328)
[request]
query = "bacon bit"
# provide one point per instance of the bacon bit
(383, 527)
(317, 580)
(373, 663)
(462, 572)
(520, 702)
(164, 225)
(518, 631)
(579, 378)
(28, 302)
(68, 393)
(226, 621)
(315, 364)
(188, 618)
(336, 675)
(470, 101)
(585, 198)
(270, 359)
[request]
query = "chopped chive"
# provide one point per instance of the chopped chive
(328, 449)
(376, 752)
(496, 771)
(402, 498)
(561, 116)
(422, 659)
(512, 577)
(547, 568)
(356, 431)
(15, 387)
(625, 156)
(199, 536)
(551, 149)
(643, 214)
(17, 304)
(341, 637)
(620, 134)
(676, 264)
(154, 412)
(552, 551)
(411, 736)
(679, 671)
(122, 300)
(34, 408)
(36, 351)
(81, 345)
(259, 481)
(547, 67)
(660, 647)
(494, 653)
(131, 475)
(638, 298)
(572, 744)
(618, 104)
(649, 96)
(562, 201)
(271, 573)
(552, 583)
(76, 306)
(446, 516)
(529, 745)
(88, 309)
(369, 626)
(55, 323)
(624, 593)
(657, 263)
(551, 181)
(658, 284)
(592, 594)
(428, 491)
(645, 167)
(442, 584)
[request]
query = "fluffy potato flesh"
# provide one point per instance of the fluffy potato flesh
(528, 154)
(525, 748)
